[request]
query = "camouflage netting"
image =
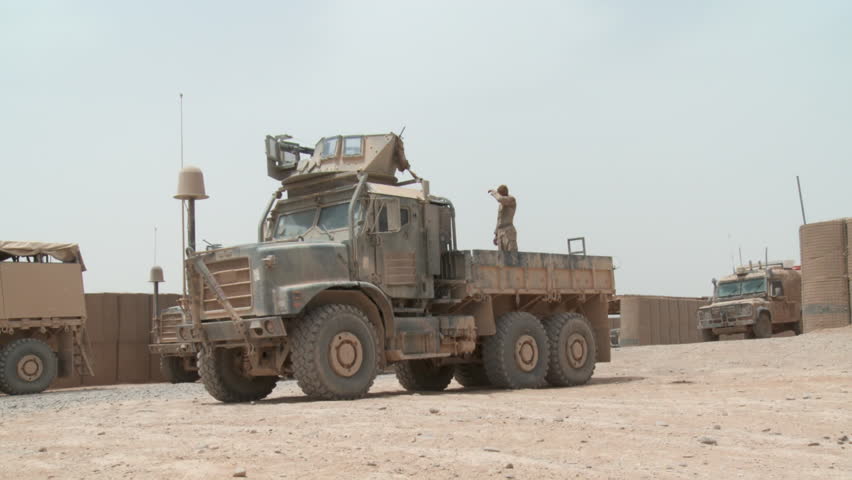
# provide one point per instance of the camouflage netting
(64, 252)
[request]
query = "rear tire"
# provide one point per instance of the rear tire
(762, 328)
(573, 351)
(223, 374)
(335, 353)
(472, 375)
(27, 366)
(423, 375)
(174, 371)
(517, 355)
(707, 335)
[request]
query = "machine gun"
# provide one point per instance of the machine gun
(282, 156)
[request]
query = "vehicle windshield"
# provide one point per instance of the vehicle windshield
(742, 287)
(326, 219)
(292, 225)
(334, 217)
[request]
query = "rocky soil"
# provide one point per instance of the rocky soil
(776, 408)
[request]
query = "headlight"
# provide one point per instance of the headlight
(744, 310)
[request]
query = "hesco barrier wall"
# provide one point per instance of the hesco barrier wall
(647, 320)
(119, 328)
(826, 265)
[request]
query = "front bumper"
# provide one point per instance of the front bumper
(725, 322)
(173, 349)
(226, 331)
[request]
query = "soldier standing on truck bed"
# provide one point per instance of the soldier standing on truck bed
(505, 235)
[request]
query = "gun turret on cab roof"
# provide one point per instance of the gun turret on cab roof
(379, 156)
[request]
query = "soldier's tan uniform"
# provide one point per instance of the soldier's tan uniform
(505, 235)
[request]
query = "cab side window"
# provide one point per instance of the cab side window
(383, 219)
(386, 216)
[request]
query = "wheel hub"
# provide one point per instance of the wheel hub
(30, 368)
(526, 353)
(346, 354)
(576, 350)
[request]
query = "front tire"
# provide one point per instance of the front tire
(517, 355)
(423, 375)
(27, 366)
(335, 353)
(223, 372)
(707, 335)
(573, 351)
(174, 370)
(762, 328)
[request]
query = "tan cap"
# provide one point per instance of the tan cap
(191, 184)
(156, 274)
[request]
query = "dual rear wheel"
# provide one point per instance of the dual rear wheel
(525, 352)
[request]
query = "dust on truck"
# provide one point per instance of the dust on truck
(356, 270)
(758, 301)
(42, 315)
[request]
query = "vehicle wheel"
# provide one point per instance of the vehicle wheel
(174, 370)
(797, 328)
(423, 375)
(223, 373)
(27, 365)
(762, 328)
(335, 353)
(707, 335)
(573, 351)
(472, 375)
(517, 355)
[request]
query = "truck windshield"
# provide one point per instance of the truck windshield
(742, 287)
(331, 217)
(294, 224)
(334, 217)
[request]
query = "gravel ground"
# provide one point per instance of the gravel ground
(776, 408)
(59, 400)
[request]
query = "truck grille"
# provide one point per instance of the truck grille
(234, 277)
(168, 326)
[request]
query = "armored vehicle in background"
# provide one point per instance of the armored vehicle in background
(42, 315)
(178, 360)
(356, 270)
(757, 301)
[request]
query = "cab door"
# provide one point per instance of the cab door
(396, 234)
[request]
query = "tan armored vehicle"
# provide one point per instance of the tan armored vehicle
(42, 315)
(758, 301)
(355, 270)
(178, 360)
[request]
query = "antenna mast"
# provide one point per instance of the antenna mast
(801, 202)
(182, 202)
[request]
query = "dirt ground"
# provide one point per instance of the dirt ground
(777, 408)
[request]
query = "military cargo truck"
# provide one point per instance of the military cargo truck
(758, 301)
(356, 270)
(42, 315)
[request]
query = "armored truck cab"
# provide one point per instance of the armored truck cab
(355, 270)
(758, 302)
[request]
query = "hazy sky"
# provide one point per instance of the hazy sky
(668, 133)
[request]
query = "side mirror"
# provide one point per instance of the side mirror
(776, 291)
